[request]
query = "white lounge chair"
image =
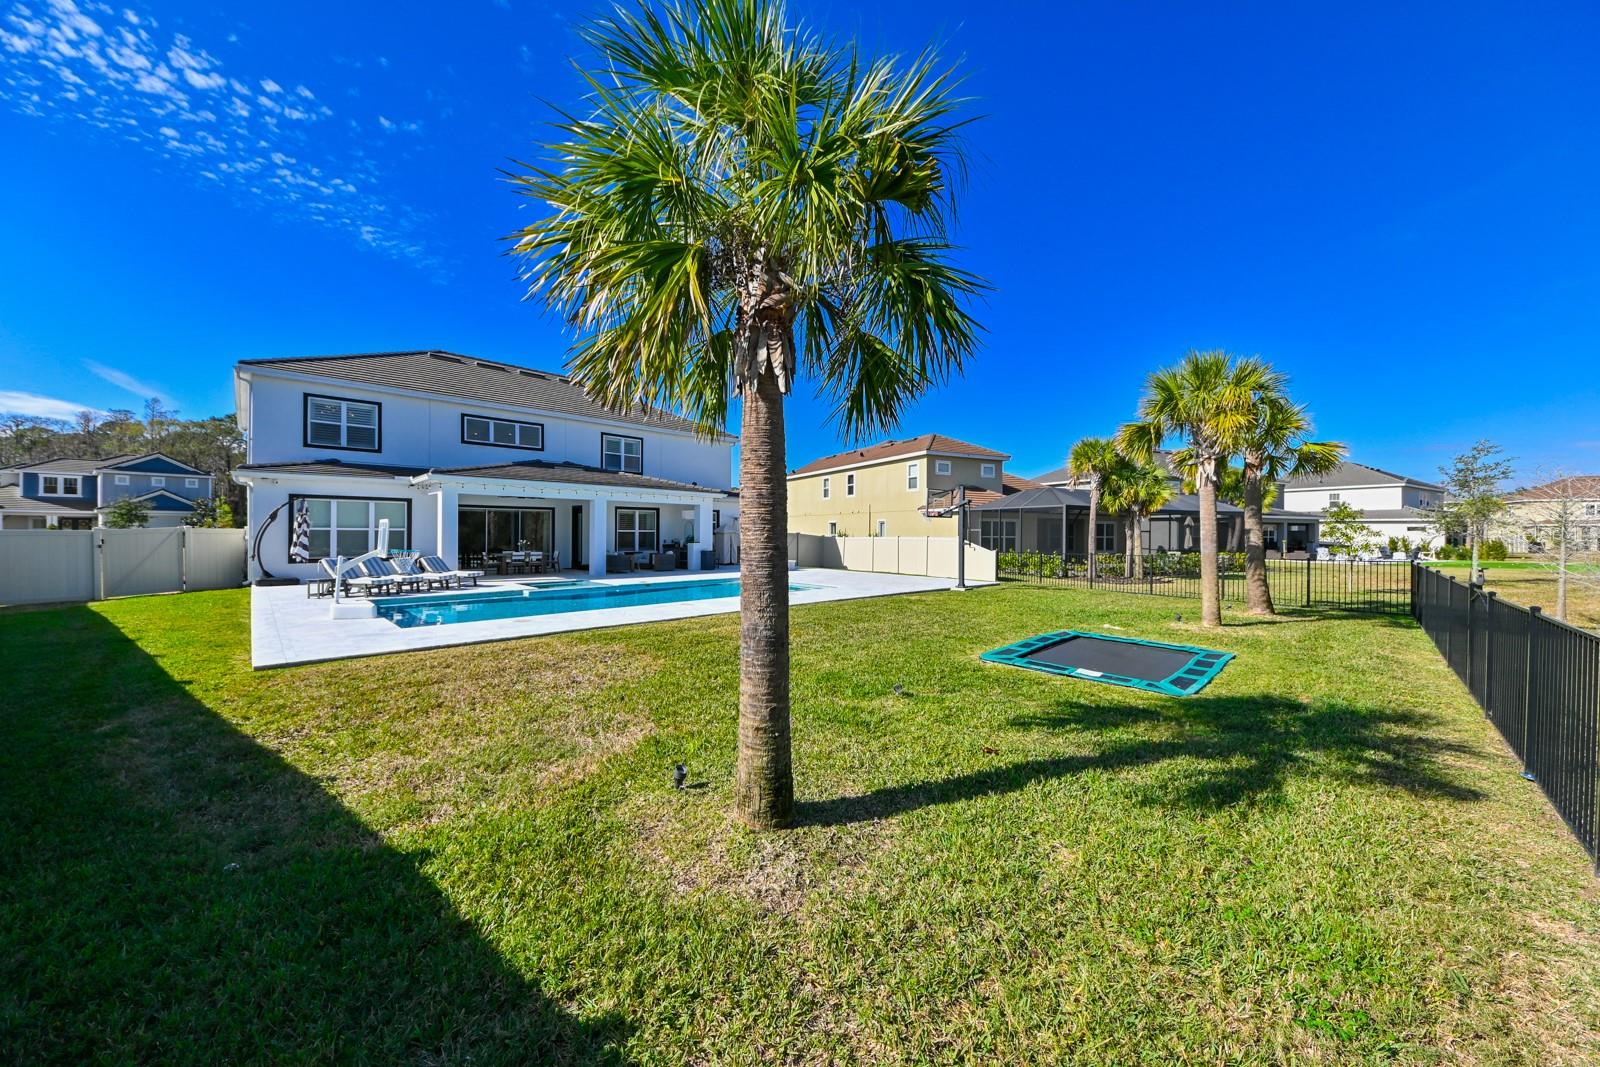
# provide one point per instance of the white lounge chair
(356, 579)
(439, 569)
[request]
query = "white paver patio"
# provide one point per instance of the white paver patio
(287, 627)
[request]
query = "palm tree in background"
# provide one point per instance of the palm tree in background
(1137, 491)
(1092, 459)
(1208, 400)
(743, 202)
(1274, 447)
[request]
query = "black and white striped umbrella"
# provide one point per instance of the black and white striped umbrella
(300, 543)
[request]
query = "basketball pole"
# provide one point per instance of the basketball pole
(961, 538)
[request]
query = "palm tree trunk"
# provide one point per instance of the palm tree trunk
(1094, 524)
(1136, 555)
(763, 788)
(1210, 608)
(1258, 592)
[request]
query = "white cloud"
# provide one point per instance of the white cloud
(124, 380)
(271, 86)
(43, 407)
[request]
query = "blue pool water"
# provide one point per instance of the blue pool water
(443, 609)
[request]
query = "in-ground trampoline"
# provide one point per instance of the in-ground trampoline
(1156, 667)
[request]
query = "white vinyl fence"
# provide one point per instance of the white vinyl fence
(55, 566)
(934, 557)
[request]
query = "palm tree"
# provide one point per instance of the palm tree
(743, 201)
(1274, 447)
(1208, 400)
(1138, 490)
(1092, 459)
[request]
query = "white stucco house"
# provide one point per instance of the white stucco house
(467, 458)
(1392, 504)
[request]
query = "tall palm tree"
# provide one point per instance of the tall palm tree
(740, 202)
(1274, 446)
(1207, 400)
(1138, 490)
(1092, 459)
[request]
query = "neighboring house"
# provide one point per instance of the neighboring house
(1036, 523)
(1532, 514)
(467, 458)
(75, 494)
(879, 491)
(1392, 504)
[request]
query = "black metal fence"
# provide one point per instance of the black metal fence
(1379, 586)
(1538, 681)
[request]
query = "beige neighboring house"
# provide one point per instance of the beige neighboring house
(1532, 515)
(877, 491)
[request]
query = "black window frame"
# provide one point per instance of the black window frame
(305, 422)
(621, 437)
(294, 498)
(616, 510)
(465, 415)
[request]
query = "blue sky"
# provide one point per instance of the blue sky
(1399, 208)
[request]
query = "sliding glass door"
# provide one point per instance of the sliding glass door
(490, 531)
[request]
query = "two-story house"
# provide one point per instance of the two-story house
(1391, 504)
(1538, 517)
(881, 490)
(466, 458)
(75, 494)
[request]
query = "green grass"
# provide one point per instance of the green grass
(1532, 583)
(475, 856)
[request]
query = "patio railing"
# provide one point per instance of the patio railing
(1537, 680)
(1377, 586)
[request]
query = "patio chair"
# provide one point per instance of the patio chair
(355, 579)
(382, 570)
(439, 569)
(618, 563)
(664, 561)
(411, 567)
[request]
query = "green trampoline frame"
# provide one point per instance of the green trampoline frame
(1204, 663)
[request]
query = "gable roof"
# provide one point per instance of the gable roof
(1349, 473)
(68, 465)
(469, 378)
(1572, 487)
(127, 462)
(911, 446)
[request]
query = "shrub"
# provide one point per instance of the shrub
(1494, 549)
(126, 514)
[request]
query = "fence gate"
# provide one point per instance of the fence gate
(65, 566)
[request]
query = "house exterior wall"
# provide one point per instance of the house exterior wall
(880, 496)
(140, 483)
(32, 488)
(426, 432)
(1528, 521)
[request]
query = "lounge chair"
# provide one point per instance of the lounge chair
(411, 567)
(382, 570)
(355, 578)
(440, 570)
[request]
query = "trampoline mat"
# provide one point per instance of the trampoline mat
(1154, 666)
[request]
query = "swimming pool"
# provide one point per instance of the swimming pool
(443, 609)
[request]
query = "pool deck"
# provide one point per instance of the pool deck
(287, 627)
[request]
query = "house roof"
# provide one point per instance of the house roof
(911, 446)
(1349, 473)
(335, 467)
(71, 465)
(1063, 474)
(470, 378)
(1054, 497)
(1574, 487)
(575, 473)
(11, 499)
(1011, 484)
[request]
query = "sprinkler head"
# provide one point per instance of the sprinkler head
(680, 774)
(899, 690)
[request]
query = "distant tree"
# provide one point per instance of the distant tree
(1343, 528)
(1137, 491)
(1563, 515)
(127, 513)
(1092, 460)
(1473, 497)
(213, 512)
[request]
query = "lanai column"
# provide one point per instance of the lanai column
(447, 524)
(702, 534)
(599, 534)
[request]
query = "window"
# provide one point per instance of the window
(507, 433)
(997, 533)
(833, 529)
(1591, 511)
(332, 422)
(1105, 537)
(191, 483)
(913, 476)
(849, 485)
(636, 529)
(157, 481)
(986, 471)
(618, 453)
(941, 466)
(121, 479)
(827, 488)
(349, 528)
(60, 485)
(1333, 498)
(883, 528)
(716, 519)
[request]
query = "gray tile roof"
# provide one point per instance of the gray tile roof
(335, 467)
(11, 499)
(66, 465)
(574, 473)
(1350, 473)
(469, 378)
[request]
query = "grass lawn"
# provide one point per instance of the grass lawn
(474, 855)
(1533, 584)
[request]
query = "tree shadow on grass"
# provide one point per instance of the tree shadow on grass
(174, 892)
(1238, 751)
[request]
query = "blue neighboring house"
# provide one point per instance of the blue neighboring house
(74, 494)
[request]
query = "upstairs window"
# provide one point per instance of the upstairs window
(913, 476)
(507, 433)
(120, 479)
(158, 481)
(619, 453)
(827, 488)
(191, 483)
(941, 466)
(332, 422)
(60, 485)
(1333, 498)
(849, 485)
(987, 470)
